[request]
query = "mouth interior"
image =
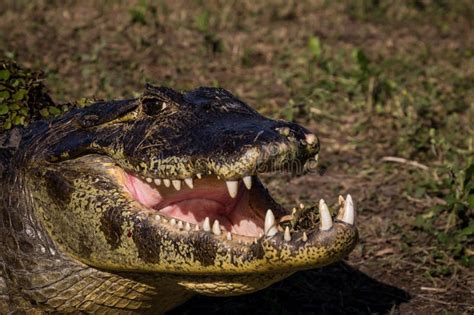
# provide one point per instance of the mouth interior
(209, 197)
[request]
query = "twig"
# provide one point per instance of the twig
(432, 289)
(404, 161)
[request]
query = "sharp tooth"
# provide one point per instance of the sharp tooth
(229, 236)
(189, 182)
(165, 220)
(349, 214)
(248, 182)
(196, 228)
(301, 206)
(216, 228)
(316, 157)
(149, 180)
(310, 138)
(305, 237)
(270, 227)
(180, 224)
(199, 175)
(172, 221)
(157, 218)
(206, 226)
(287, 235)
(157, 182)
(325, 216)
(187, 227)
(176, 184)
(167, 182)
(232, 187)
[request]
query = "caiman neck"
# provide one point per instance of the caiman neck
(36, 276)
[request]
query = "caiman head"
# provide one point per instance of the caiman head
(168, 184)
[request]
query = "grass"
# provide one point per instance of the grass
(378, 81)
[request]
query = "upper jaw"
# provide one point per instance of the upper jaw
(288, 154)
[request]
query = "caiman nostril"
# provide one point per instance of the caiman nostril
(310, 138)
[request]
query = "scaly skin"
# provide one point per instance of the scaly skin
(73, 238)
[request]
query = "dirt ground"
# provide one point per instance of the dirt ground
(387, 86)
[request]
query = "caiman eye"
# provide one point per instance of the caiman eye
(153, 106)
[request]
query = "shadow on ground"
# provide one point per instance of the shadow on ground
(336, 289)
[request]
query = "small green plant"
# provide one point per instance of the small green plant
(22, 96)
(452, 223)
(138, 12)
(212, 41)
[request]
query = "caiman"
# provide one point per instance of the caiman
(134, 206)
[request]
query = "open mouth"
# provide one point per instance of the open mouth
(205, 203)
(238, 209)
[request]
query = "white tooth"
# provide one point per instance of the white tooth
(216, 228)
(229, 236)
(325, 216)
(305, 237)
(172, 221)
(167, 182)
(157, 218)
(349, 214)
(293, 211)
(287, 235)
(316, 157)
(270, 228)
(248, 182)
(206, 226)
(165, 220)
(187, 227)
(310, 138)
(157, 182)
(180, 224)
(232, 187)
(196, 228)
(199, 175)
(149, 180)
(189, 182)
(176, 184)
(301, 205)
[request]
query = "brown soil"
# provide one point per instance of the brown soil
(109, 49)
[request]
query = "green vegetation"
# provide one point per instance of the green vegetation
(22, 97)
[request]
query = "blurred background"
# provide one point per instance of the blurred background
(386, 85)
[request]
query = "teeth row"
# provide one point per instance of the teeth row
(346, 214)
(232, 185)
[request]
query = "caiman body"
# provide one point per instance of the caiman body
(136, 205)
